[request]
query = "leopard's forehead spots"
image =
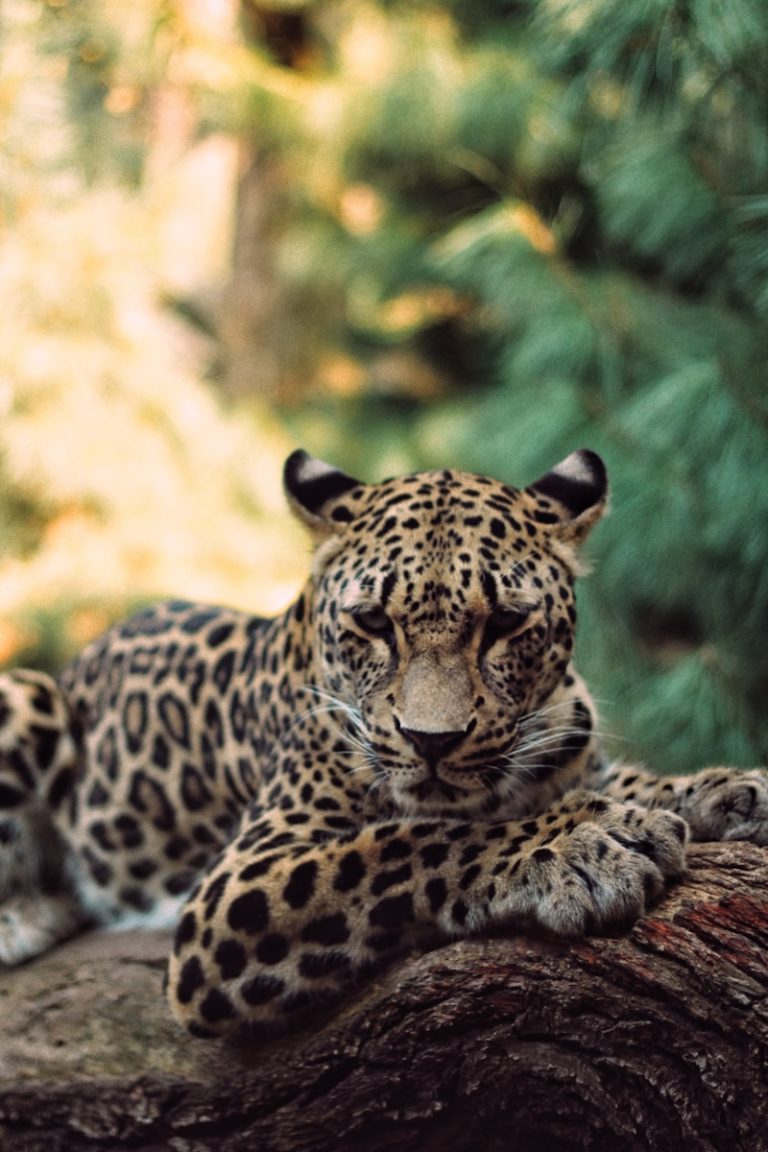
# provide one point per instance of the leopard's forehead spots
(443, 535)
(446, 504)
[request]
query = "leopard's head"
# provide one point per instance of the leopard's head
(444, 621)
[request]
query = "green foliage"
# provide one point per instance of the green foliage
(122, 476)
(657, 208)
(586, 183)
(111, 70)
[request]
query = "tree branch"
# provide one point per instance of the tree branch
(654, 1040)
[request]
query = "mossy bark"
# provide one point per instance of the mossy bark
(657, 1039)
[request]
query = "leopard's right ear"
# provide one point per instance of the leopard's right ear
(319, 495)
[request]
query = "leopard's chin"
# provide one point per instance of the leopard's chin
(478, 788)
(424, 793)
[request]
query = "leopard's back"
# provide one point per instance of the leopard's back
(169, 752)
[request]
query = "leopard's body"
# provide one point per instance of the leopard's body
(407, 749)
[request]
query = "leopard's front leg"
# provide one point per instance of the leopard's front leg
(283, 923)
(716, 803)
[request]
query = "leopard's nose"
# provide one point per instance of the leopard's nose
(433, 745)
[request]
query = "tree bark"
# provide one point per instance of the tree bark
(657, 1039)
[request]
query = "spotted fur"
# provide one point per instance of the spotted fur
(407, 749)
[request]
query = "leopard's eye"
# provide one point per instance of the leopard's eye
(506, 622)
(374, 621)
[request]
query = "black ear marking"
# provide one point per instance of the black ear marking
(312, 483)
(578, 483)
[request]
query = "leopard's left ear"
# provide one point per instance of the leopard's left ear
(318, 493)
(578, 488)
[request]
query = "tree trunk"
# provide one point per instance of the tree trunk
(262, 336)
(654, 1040)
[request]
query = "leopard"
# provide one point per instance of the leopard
(405, 757)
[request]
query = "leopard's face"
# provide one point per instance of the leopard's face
(444, 624)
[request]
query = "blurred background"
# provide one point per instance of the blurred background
(477, 233)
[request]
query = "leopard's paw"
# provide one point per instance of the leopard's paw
(32, 923)
(727, 804)
(611, 862)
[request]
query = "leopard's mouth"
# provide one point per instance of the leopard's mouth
(483, 783)
(432, 796)
(467, 773)
(478, 771)
(471, 772)
(441, 785)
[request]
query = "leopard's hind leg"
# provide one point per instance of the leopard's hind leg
(38, 764)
